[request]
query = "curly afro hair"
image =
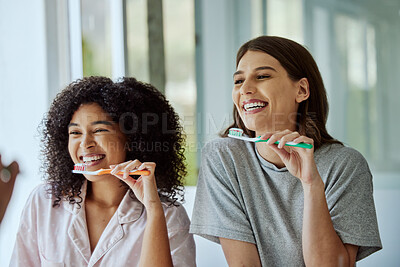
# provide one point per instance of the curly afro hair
(144, 115)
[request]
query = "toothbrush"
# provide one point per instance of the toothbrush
(238, 134)
(81, 168)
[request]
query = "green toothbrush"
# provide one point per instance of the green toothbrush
(238, 134)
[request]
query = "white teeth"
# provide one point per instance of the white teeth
(86, 159)
(254, 105)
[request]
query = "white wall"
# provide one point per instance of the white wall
(23, 100)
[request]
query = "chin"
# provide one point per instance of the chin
(258, 127)
(96, 178)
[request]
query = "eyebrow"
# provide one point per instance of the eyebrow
(93, 123)
(258, 68)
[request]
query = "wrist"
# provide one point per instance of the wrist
(314, 184)
(154, 208)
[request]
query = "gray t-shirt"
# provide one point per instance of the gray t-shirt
(242, 196)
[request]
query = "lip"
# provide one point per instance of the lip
(245, 102)
(92, 155)
(97, 162)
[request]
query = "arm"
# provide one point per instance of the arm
(219, 212)
(321, 244)
(155, 247)
(239, 253)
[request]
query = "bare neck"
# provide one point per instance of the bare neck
(269, 155)
(107, 193)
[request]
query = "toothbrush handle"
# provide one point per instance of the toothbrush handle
(302, 145)
(108, 171)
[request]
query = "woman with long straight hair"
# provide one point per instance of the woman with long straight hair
(271, 204)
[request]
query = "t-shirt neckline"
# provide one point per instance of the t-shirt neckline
(266, 163)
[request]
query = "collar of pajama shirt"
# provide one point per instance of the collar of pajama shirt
(112, 234)
(58, 236)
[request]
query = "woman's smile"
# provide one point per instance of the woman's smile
(263, 93)
(94, 139)
(253, 106)
(92, 159)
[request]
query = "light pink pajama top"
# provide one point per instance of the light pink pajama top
(58, 236)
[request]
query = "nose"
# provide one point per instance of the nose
(87, 141)
(247, 87)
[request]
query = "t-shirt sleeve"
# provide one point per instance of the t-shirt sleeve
(349, 194)
(218, 209)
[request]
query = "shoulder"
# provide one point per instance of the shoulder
(40, 195)
(226, 147)
(223, 143)
(340, 166)
(341, 156)
(38, 204)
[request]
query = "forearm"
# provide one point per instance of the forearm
(155, 247)
(321, 244)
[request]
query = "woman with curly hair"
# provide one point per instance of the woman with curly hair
(108, 220)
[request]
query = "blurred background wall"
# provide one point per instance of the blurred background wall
(187, 49)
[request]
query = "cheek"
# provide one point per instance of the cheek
(116, 145)
(71, 149)
(235, 97)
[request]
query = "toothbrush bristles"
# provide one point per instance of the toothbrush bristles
(79, 167)
(236, 132)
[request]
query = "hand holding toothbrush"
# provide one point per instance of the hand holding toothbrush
(155, 239)
(299, 161)
(145, 187)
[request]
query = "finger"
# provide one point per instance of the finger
(266, 135)
(131, 166)
(306, 140)
(150, 166)
(129, 180)
(277, 136)
(116, 169)
(119, 167)
(282, 153)
(287, 138)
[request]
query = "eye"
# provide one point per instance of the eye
(74, 133)
(100, 130)
(238, 81)
(260, 77)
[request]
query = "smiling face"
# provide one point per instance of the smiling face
(95, 139)
(265, 97)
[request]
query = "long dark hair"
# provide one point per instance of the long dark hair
(161, 141)
(298, 62)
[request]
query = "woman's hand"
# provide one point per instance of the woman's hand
(145, 187)
(155, 247)
(299, 161)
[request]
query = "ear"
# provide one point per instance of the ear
(303, 92)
